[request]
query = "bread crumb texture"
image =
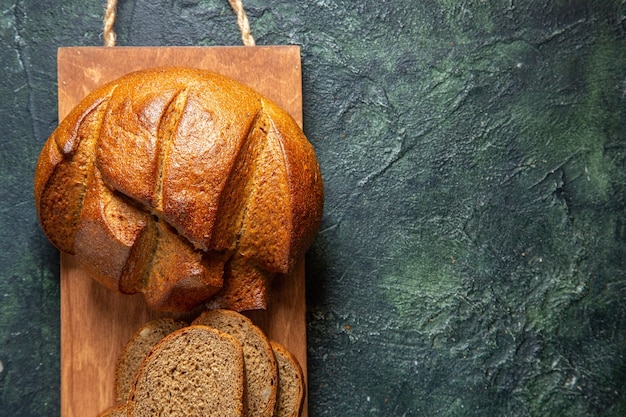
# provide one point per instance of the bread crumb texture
(195, 371)
(222, 364)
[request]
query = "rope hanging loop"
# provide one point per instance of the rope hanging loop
(237, 6)
(109, 21)
(242, 22)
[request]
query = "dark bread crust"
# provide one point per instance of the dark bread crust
(176, 160)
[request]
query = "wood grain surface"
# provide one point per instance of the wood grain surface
(96, 323)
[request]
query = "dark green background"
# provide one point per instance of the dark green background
(471, 260)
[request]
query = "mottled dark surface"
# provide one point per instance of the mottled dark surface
(471, 260)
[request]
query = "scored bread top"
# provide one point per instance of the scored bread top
(177, 160)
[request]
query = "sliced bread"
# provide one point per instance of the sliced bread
(195, 371)
(291, 386)
(136, 350)
(260, 365)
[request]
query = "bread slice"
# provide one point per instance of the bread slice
(291, 386)
(136, 350)
(195, 371)
(260, 365)
(118, 410)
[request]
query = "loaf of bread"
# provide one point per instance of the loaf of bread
(183, 185)
(194, 372)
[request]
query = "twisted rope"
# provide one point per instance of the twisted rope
(109, 21)
(237, 5)
(242, 22)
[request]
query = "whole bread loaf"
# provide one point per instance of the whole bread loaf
(183, 185)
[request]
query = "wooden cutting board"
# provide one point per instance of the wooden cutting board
(96, 323)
